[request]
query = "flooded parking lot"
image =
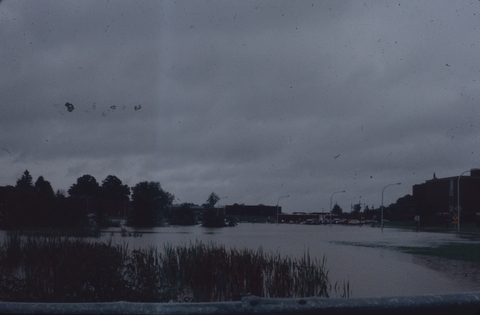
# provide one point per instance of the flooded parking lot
(363, 256)
(369, 260)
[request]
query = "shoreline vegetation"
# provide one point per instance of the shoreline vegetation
(453, 251)
(461, 251)
(65, 269)
(467, 228)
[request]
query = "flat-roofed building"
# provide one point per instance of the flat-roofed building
(439, 196)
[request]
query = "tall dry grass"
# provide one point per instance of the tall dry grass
(60, 269)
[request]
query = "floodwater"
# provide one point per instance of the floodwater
(372, 270)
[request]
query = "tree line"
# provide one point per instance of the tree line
(31, 204)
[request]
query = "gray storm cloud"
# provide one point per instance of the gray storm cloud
(253, 100)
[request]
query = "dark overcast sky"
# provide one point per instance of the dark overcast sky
(253, 100)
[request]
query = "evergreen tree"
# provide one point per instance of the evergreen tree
(25, 182)
(337, 210)
(24, 212)
(44, 188)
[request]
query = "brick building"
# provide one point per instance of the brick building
(438, 196)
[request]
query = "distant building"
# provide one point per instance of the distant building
(249, 213)
(438, 196)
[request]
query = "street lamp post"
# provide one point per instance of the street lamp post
(278, 201)
(382, 199)
(337, 192)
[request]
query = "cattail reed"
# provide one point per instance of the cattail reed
(60, 269)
